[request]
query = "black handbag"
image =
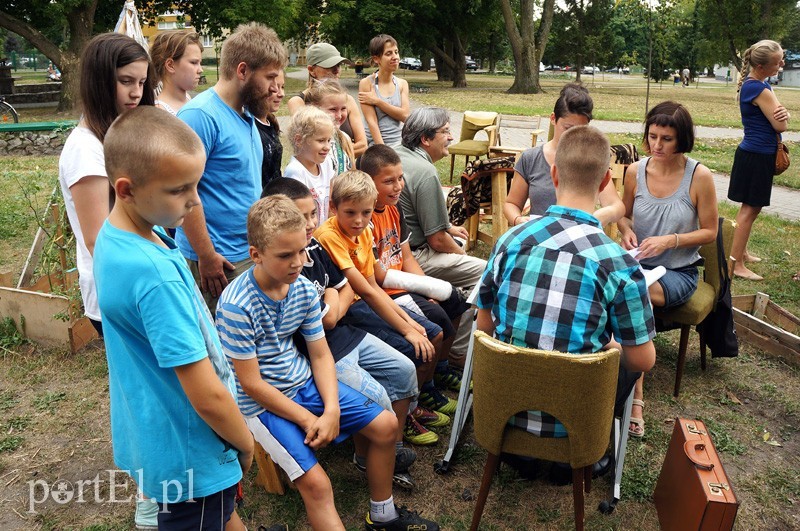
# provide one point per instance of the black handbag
(717, 329)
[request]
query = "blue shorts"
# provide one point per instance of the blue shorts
(209, 513)
(362, 316)
(284, 440)
(678, 285)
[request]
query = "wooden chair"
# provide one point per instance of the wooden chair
(270, 476)
(702, 301)
(473, 123)
(579, 390)
(528, 124)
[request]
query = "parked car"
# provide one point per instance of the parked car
(472, 65)
(591, 70)
(410, 63)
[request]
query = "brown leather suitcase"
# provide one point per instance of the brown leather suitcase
(693, 491)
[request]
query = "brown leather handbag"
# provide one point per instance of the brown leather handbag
(693, 491)
(781, 157)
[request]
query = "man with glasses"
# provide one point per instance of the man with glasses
(437, 245)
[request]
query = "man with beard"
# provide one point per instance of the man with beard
(213, 238)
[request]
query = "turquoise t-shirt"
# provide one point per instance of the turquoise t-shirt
(154, 320)
(231, 180)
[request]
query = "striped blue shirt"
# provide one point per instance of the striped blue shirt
(252, 325)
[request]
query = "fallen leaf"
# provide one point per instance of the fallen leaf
(787, 253)
(733, 398)
(773, 442)
(766, 436)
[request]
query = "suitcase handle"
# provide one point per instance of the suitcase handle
(690, 448)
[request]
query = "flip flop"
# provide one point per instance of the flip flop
(639, 422)
(748, 276)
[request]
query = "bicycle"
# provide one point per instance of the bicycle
(7, 112)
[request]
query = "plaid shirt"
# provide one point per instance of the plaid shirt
(559, 283)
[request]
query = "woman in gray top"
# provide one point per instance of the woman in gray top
(384, 97)
(532, 178)
(670, 211)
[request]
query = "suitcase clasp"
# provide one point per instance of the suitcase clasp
(717, 488)
(691, 428)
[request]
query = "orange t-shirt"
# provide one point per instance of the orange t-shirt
(389, 232)
(345, 252)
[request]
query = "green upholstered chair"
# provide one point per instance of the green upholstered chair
(701, 303)
(471, 125)
(579, 390)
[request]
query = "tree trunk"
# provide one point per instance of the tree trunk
(70, 81)
(425, 59)
(526, 46)
(460, 70)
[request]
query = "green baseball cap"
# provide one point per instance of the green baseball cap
(324, 55)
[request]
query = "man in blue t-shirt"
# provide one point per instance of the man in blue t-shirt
(175, 425)
(213, 238)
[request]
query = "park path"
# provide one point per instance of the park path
(785, 201)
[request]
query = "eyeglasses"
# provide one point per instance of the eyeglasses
(445, 132)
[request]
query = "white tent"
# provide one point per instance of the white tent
(128, 24)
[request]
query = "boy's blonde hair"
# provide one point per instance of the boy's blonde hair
(305, 124)
(271, 216)
(254, 44)
(353, 185)
(582, 159)
(130, 153)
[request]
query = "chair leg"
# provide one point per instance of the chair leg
(702, 348)
(492, 462)
(587, 479)
(683, 346)
(452, 163)
(577, 495)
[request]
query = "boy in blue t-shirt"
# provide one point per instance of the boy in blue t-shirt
(293, 403)
(174, 419)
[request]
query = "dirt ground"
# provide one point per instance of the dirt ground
(55, 429)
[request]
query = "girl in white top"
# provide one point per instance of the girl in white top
(115, 76)
(311, 132)
(176, 59)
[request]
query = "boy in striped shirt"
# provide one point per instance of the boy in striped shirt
(293, 404)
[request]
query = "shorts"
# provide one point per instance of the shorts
(678, 285)
(209, 513)
(751, 178)
(386, 369)
(441, 313)
(284, 440)
(362, 316)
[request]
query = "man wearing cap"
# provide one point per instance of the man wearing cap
(324, 61)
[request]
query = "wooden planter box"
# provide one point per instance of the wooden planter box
(767, 326)
(35, 311)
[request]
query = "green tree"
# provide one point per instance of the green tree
(731, 26)
(528, 41)
(581, 32)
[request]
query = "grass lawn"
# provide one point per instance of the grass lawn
(54, 421)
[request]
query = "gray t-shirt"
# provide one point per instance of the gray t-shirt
(536, 171)
(421, 200)
(390, 128)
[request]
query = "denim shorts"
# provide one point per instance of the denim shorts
(392, 372)
(678, 285)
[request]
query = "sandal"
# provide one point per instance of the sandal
(638, 432)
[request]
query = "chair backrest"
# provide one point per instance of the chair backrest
(475, 121)
(711, 269)
(578, 390)
(529, 124)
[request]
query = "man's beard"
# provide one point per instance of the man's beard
(254, 101)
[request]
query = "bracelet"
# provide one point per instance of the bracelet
(676, 241)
